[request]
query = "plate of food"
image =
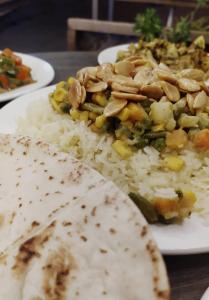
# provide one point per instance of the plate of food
(68, 233)
(144, 128)
(175, 56)
(22, 73)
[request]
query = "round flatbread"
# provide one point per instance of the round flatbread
(67, 233)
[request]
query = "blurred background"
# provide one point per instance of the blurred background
(41, 25)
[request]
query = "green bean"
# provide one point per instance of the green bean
(155, 135)
(92, 107)
(145, 206)
(158, 144)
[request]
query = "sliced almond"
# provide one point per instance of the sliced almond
(171, 91)
(124, 80)
(152, 91)
(133, 97)
(133, 58)
(190, 101)
(95, 87)
(83, 94)
(76, 94)
(123, 88)
(195, 74)
(105, 72)
(140, 62)
(189, 85)
(144, 76)
(124, 68)
(166, 75)
(200, 100)
(114, 107)
(89, 72)
(164, 67)
(205, 87)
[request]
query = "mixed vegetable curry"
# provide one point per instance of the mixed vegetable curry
(13, 73)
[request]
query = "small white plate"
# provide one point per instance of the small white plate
(205, 296)
(188, 238)
(109, 55)
(42, 72)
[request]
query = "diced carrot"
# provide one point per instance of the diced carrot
(201, 139)
(17, 59)
(176, 139)
(23, 73)
(4, 81)
(165, 206)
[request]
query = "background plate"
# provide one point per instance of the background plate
(188, 238)
(109, 55)
(42, 72)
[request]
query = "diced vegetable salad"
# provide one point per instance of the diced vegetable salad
(13, 73)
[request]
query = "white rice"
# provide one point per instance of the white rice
(143, 172)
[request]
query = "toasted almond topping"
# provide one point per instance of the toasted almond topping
(200, 100)
(152, 91)
(204, 87)
(94, 87)
(144, 75)
(124, 80)
(86, 73)
(124, 68)
(114, 107)
(195, 74)
(105, 72)
(123, 88)
(166, 75)
(75, 94)
(128, 96)
(190, 101)
(189, 85)
(171, 91)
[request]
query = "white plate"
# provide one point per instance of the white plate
(188, 238)
(42, 72)
(109, 55)
(205, 296)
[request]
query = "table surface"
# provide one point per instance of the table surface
(189, 275)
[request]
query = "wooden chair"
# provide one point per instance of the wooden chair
(77, 24)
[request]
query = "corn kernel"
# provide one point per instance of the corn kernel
(137, 112)
(84, 116)
(100, 121)
(189, 198)
(122, 149)
(207, 109)
(124, 114)
(174, 163)
(70, 80)
(60, 84)
(60, 94)
(92, 116)
(75, 114)
(55, 105)
(158, 127)
(100, 99)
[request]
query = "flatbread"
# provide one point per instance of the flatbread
(66, 233)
